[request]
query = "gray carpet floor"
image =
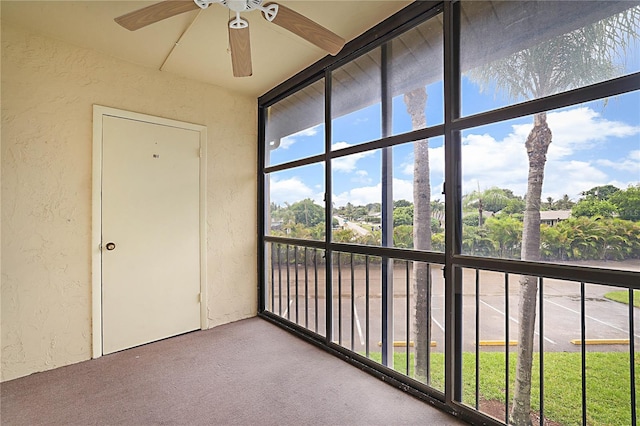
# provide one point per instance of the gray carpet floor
(244, 373)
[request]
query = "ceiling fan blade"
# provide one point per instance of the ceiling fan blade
(309, 30)
(154, 13)
(240, 51)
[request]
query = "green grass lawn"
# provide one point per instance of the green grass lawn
(622, 296)
(608, 385)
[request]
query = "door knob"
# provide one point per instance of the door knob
(110, 246)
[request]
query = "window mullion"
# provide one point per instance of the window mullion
(453, 220)
(387, 211)
(328, 207)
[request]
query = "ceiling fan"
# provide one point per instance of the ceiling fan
(239, 27)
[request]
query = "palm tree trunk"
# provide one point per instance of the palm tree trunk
(537, 146)
(415, 102)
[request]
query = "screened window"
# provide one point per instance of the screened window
(477, 189)
(295, 126)
(356, 101)
(513, 51)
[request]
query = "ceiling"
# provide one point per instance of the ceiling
(202, 53)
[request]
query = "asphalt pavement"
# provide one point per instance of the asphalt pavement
(604, 319)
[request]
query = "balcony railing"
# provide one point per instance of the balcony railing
(584, 357)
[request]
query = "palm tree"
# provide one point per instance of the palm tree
(403, 236)
(630, 233)
(492, 200)
(415, 102)
(588, 237)
(506, 231)
(579, 58)
(550, 203)
(437, 211)
(564, 203)
(476, 241)
(554, 241)
(613, 243)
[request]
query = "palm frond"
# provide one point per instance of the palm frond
(590, 54)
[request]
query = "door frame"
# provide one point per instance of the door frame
(96, 223)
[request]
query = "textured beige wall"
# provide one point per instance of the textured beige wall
(48, 89)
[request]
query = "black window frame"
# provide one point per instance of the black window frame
(452, 259)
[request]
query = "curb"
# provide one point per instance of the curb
(601, 341)
(497, 343)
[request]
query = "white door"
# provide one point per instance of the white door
(150, 232)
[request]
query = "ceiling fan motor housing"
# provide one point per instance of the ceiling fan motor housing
(235, 5)
(270, 11)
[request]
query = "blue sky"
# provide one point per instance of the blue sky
(595, 143)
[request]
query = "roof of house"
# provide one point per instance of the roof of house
(555, 214)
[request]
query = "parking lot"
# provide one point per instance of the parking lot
(604, 319)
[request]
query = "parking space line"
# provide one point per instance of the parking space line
(355, 311)
(592, 318)
(437, 323)
(514, 320)
(284, 314)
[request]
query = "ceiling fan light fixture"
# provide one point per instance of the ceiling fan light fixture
(269, 11)
(238, 22)
(203, 4)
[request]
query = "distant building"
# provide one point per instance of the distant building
(552, 217)
(276, 224)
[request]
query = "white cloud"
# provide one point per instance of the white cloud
(579, 125)
(623, 184)
(339, 145)
(287, 141)
(361, 176)
(570, 177)
(630, 163)
(436, 163)
(402, 190)
(289, 190)
(577, 129)
(407, 169)
(348, 163)
(489, 162)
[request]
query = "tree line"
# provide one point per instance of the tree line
(604, 224)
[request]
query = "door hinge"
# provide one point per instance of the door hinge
(199, 297)
(199, 152)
